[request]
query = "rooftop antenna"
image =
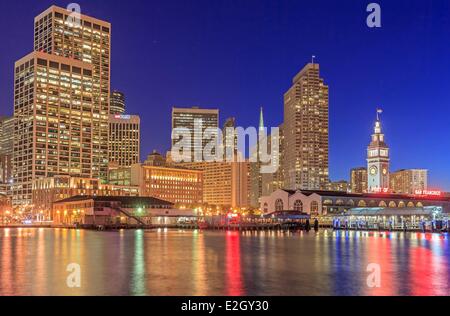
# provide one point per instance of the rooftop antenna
(379, 111)
(312, 59)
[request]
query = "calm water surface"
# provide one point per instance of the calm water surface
(34, 262)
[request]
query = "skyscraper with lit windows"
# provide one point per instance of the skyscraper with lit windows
(88, 40)
(306, 123)
(53, 109)
(61, 102)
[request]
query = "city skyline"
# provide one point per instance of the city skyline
(411, 143)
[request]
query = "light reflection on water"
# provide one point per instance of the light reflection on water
(137, 262)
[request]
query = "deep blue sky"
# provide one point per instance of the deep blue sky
(238, 55)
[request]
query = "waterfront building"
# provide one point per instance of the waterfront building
(87, 40)
(117, 104)
(306, 126)
(6, 152)
(378, 161)
(188, 118)
(54, 119)
(109, 210)
(327, 203)
(409, 181)
(358, 180)
(124, 139)
(339, 186)
(176, 185)
(46, 191)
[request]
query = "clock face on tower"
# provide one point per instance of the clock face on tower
(373, 170)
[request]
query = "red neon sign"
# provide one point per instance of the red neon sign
(427, 192)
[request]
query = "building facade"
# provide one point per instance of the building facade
(54, 119)
(87, 40)
(306, 124)
(325, 203)
(47, 191)
(124, 140)
(117, 104)
(6, 153)
(339, 186)
(190, 118)
(378, 161)
(176, 185)
(358, 180)
(409, 181)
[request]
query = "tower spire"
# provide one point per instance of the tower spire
(261, 119)
(378, 122)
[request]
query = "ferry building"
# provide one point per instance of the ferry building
(378, 205)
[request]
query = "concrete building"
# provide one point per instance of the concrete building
(87, 40)
(176, 185)
(188, 119)
(224, 184)
(46, 191)
(6, 152)
(117, 103)
(358, 180)
(378, 161)
(61, 102)
(409, 181)
(54, 117)
(124, 140)
(306, 129)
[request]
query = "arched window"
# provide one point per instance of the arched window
(351, 203)
(339, 202)
(392, 204)
(298, 206)
(383, 204)
(419, 204)
(279, 206)
(372, 203)
(362, 203)
(314, 208)
(410, 204)
(266, 208)
(328, 202)
(401, 204)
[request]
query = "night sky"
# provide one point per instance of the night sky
(238, 55)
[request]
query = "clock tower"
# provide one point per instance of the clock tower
(378, 160)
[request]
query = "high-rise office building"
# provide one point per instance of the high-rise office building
(6, 152)
(177, 185)
(117, 104)
(378, 161)
(358, 180)
(54, 119)
(124, 140)
(190, 118)
(306, 131)
(87, 40)
(409, 181)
